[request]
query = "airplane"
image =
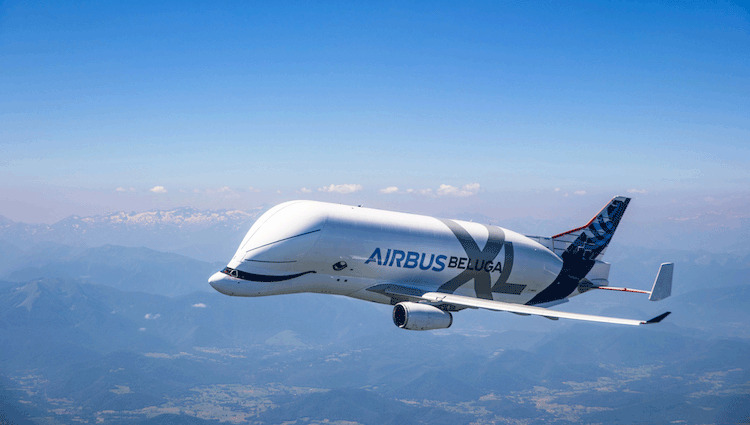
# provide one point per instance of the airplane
(427, 268)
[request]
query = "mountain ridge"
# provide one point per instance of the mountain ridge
(126, 268)
(207, 235)
(179, 215)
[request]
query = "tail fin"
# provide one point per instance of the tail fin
(580, 249)
(592, 238)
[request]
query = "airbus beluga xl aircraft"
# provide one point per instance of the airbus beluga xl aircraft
(424, 266)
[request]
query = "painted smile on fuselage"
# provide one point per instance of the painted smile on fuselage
(253, 277)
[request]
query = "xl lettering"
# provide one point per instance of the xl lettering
(473, 269)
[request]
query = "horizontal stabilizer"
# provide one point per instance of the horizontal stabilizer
(663, 283)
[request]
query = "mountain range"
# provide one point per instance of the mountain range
(213, 235)
(88, 352)
(111, 320)
(204, 235)
(125, 268)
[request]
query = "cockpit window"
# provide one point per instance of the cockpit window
(231, 272)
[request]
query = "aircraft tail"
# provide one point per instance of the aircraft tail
(592, 238)
(580, 249)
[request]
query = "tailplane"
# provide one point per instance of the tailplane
(663, 284)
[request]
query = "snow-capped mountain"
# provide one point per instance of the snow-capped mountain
(205, 235)
(184, 218)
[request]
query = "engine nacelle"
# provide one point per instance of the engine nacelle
(420, 317)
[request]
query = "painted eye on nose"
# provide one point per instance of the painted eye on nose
(341, 265)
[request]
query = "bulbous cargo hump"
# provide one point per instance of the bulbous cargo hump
(284, 233)
(450, 255)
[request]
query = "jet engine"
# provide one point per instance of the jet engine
(420, 317)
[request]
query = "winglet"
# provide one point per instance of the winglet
(663, 284)
(658, 318)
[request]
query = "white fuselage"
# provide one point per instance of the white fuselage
(307, 246)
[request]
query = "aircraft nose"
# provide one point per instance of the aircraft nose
(216, 281)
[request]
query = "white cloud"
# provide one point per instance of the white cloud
(341, 188)
(465, 190)
(579, 192)
(305, 190)
(142, 329)
(158, 189)
(425, 192)
(122, 189)
(150, 316)
(225, 191)
(641, 191)
(252, 189)
(390, 189)
(278, 191)
(199, 305)
(472, 187)
(557, 189)
(228, 193)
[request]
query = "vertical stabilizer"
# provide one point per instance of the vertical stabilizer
(591, 239)
(580, 249)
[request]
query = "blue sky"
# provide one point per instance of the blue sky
(522, 109)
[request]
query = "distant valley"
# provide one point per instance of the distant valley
(84, 352)
(125, 268)
(128, 331)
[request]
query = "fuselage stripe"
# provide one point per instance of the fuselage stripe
(261, 277)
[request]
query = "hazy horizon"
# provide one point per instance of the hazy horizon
(507, 110)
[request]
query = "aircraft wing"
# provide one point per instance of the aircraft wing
(462, 301)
